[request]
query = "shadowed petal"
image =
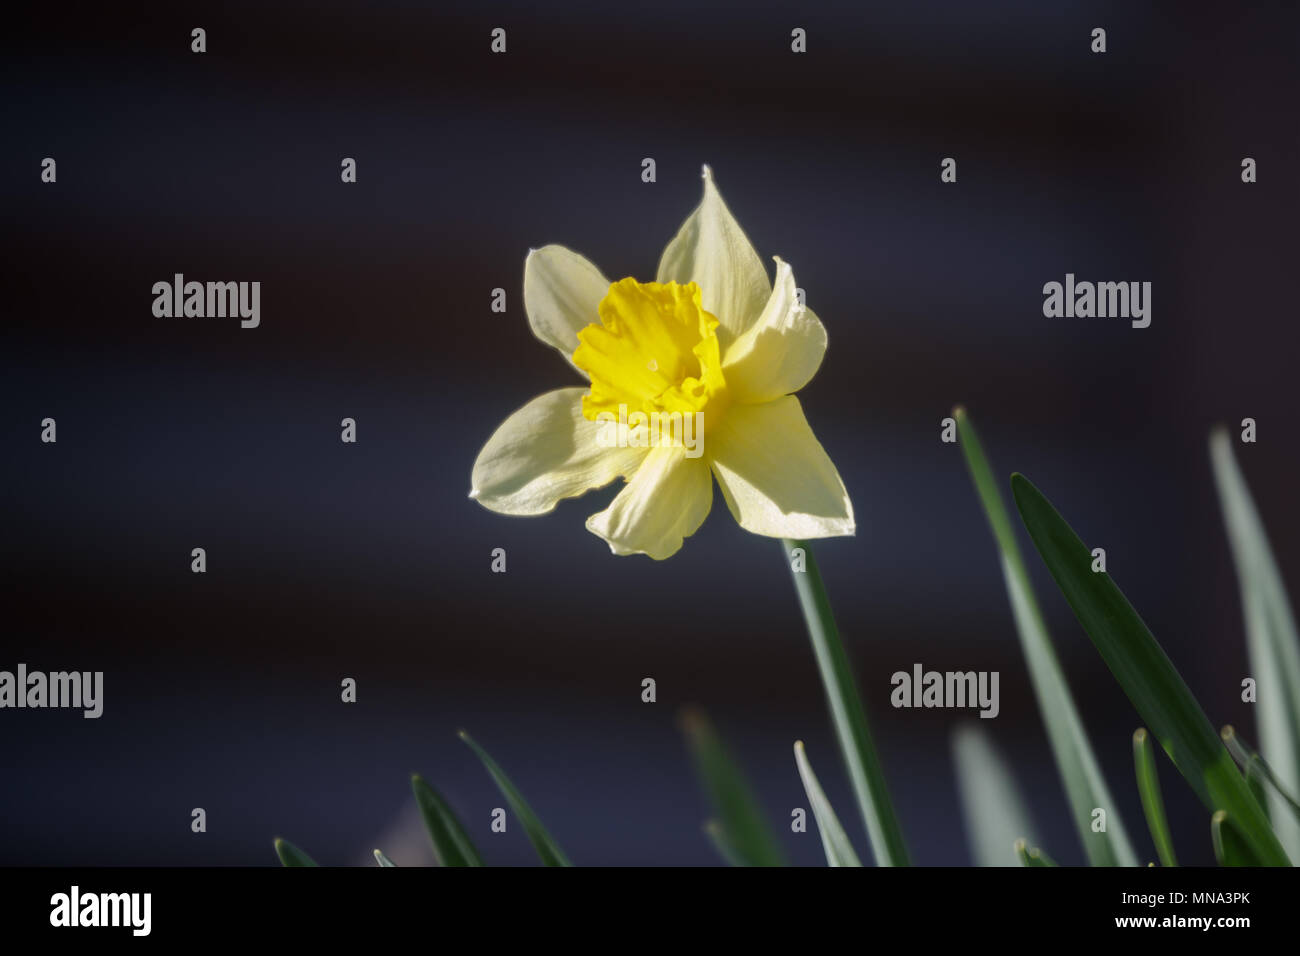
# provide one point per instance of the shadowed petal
(561, 292)
(544, 452)
(665, 502)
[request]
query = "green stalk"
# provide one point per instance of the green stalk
(739, 816)
(847, 713)
(713, 830)
(290, 855)
(992, 808)
(1085, 787)
(1230, 849)
(1256, 780)
(1032, 856)
(835, 842)
(1146, 674)
(547, 849)
(1272, 639)
(451, 844)
(1258, 773)
(1153, 805)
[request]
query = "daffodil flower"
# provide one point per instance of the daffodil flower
(711, 343)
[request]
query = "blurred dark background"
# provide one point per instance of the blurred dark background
(328, 560)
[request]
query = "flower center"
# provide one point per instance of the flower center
(654, 350)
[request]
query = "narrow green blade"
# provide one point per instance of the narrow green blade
(713, 830)
(992, 807)
(1085, 787)
(1271, 637)
(1031, 856)
(848, 715)
(839, 851)
(290, 855)
(542, 841)
(1230, 848)
(740, 818)
(1259, 774)
(1258, 783)
(1153, 804)
(1145, 673)
(383, 860)
(451, 844)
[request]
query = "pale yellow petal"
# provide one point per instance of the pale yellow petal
(665, 502)
(780, 352)
(711, 250)
(774, 474)
(544, 452)
(561, 292)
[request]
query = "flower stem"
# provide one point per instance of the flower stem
(847, 713)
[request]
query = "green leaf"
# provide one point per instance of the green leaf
(1257, 781)
(290, 855)
(1230, 847)
(847, 713)
(1259, 774)
(1271, 637)
(451, 844)
(1085, 787)
(992, 807)
(1032, 857)
(839, 851)
(1153, 805)
(1145, 673)
(383, 860)
(542, 841)
(713, 830)
(743, 826)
